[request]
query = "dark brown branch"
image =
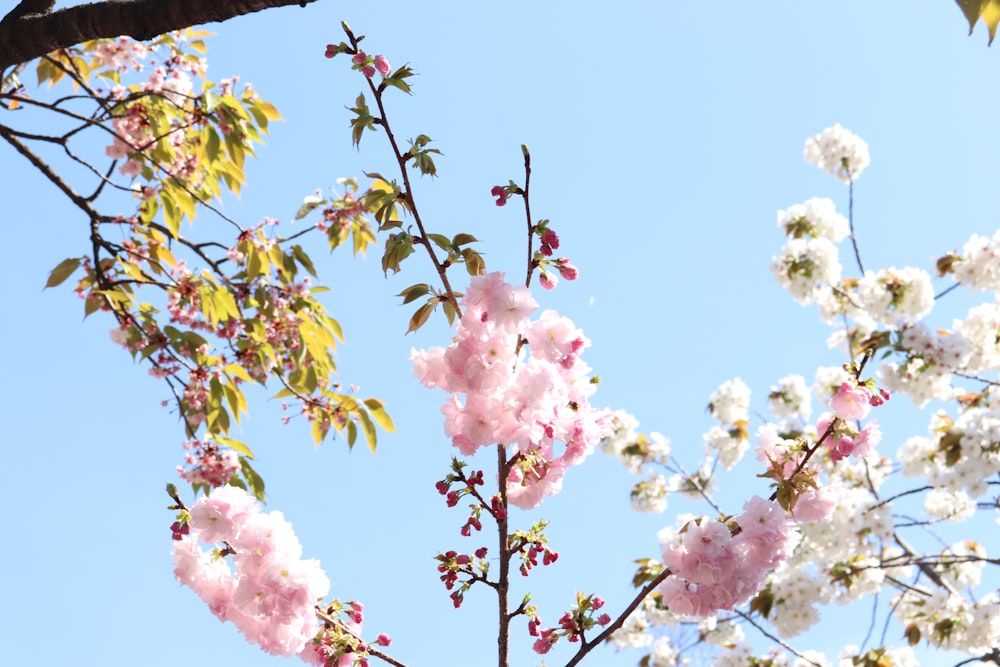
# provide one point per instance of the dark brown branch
(25, 38)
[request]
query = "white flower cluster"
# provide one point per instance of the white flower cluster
(809, 264)
(634, 631)
(979, 264)
(664, 654)
(807, 268)
(947, 620)
(957, 459)
(790, 399)
(650, 495)
(726, 633)
(796, 592)
(901, 656)
(730, 403)
(633, 449)
(816, 218)
(896, 297)
(962, 563)
(838, 152)
(926, 372)
(742, 655)
(728, 445)
(828, 381)
(981, 328)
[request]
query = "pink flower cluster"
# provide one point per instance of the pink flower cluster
(271, 597)
(572, 624)
(340, 644)
(852, 403)
(719, 565)
(210, 464)
(369, 65)
(501, 395)
(846, 441)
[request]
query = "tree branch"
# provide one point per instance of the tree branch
(23, 38)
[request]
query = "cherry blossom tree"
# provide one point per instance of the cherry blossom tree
(210, 312)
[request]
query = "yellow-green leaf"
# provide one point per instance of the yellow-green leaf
(238, 371)
(63, 271)
(370, 435)
(269, 111)
(379, 414)
(987, 10)
(234, 444)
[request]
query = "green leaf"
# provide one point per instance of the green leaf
(253, 479)
(449, 311)
(218, 420)
(212, 144)
(171, 213)
(462, 239)
(308, 204)
(414, 292)
(397, 248)
(212, 100)
(474, 263)
(420, 317)
(63, 271)
(300, 255)
(441, 241)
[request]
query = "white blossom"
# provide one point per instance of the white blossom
(838, 152)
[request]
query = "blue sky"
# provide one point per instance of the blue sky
(664, 137)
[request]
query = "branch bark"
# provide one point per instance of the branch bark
(27, 37)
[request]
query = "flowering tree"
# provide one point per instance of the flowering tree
(210, 314)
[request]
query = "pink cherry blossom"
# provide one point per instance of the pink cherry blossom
(851, 403)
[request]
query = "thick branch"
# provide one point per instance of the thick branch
(23, 39)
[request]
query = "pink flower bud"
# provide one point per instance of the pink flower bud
(604, 619)
(359, 58)
(596, 602)
(542, 646)
(331, 50)
(547, 280)
(368, 71)
(481, 552)
(568, 271)
(383, 640)
(382, 65)
(501, 195)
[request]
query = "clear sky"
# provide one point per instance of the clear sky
(664, 137)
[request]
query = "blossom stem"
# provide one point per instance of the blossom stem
(850, 222)
(407, 193)
(527, 213)
(503, 581)
(774, 638)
